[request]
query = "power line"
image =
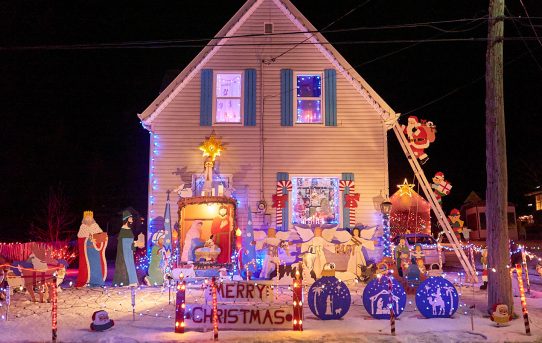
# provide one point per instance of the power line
(530, 22)
(525, 43)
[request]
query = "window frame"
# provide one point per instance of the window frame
(241, 98)
(291, 196)
(538, 202)
(321, 98)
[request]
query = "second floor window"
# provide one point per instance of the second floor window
(538, 199)
(308, 98)
(228, 93)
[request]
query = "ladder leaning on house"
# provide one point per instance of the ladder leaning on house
(470, 270)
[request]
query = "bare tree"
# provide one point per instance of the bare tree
(499, 283)
(55, 220)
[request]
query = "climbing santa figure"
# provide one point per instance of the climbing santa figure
(420, 135)
(92, 242)
(221, 230)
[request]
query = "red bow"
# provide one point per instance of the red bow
(351, 200)
(279, 201)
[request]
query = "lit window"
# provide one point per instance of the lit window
(538, 198)
(315, 200)
(228, 98)
(309, 98)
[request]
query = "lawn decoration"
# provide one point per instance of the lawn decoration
(500, 315)
(329, 297)
(276, 246)
(101, 321)
(159, 256)
(377, 298)
(419, 134)
(125, 271)
(440, 186)
(437, 297)
(92, 242)
(456, 223)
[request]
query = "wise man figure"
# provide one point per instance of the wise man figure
(125, 270)
(92, 242)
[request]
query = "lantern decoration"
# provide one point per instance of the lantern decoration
(378, 300)
(329, 297)
(385, 208)
(437, 297)
(180, 306)
(297, 303)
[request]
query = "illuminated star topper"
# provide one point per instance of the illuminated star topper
(405, 188)
(211, 146)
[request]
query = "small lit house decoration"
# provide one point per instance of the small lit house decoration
(206, 221)
(329, 297)
(409, 211)
(378, 300)
(437, 297)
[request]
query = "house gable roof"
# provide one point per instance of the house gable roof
(299, 20)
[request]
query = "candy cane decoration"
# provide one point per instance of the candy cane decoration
(297, 302)
(180, 306)
(215, 310)
(524, 259)
(281, 187)
(390, 305)
(54, 309)
(523, 301)
(343, 184)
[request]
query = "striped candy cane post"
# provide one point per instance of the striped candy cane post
(347, 187)
(283, 187)
(392, 314)
(524, 260)
(523, 301)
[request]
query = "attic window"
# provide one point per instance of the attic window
(268, 28)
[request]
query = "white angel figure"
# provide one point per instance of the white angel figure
(359, 239)
(271, 242)
(313, 247)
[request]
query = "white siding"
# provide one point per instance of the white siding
(357, 144)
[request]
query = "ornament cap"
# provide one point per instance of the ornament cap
(329, 269)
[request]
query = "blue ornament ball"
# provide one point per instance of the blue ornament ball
(437, 297)
(329, 298)
(376, 298)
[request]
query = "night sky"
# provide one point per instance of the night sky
(69, 116)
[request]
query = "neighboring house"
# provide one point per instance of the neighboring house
(473, 211)
(532, 220)
(283, 111)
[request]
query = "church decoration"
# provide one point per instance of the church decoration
(409, 212)
(437, 297)
(329, 298)
(377, 299)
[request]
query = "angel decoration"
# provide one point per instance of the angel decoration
(277, 250)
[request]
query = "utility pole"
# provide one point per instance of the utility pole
(499, 283)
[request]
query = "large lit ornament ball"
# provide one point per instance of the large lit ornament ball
(376, 298)
(437, 297)
(329, 298)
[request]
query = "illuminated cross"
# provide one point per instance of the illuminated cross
(211, 146)
(405, 188)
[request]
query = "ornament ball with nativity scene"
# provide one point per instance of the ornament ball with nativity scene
(329, 298)
(437, 297)
(377, 298)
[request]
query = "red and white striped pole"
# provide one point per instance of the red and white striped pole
(215, 310)
(54, 309)
(180, 306)
(390, 305)
(297, 302)
(524, 260)
(523, 301)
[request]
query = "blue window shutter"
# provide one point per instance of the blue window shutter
(206, 98)
(286, 97)
(330, 88)
(346, 211)
(250, 97)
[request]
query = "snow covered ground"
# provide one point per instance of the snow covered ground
(31, 322)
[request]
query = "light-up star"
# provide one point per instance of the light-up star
(211, 147)
(405, 188)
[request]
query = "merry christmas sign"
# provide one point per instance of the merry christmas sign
(241, 291)
(239, 317)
